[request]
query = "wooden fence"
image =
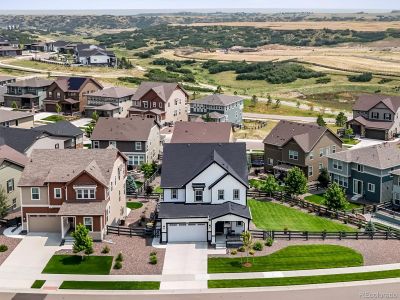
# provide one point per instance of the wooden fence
(142, 189)
(129, 231)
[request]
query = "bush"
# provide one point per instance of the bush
(119, 257)
(153, 253)
(364, 77)
(153, 259)
(233, 251)
(258, 246)
(323, 80)
(117, 265)
(269, 242)
(3, 248)
(241, 249)
(105, 250)
(252, 252)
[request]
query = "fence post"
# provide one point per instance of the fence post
(387, 234)
(307, 235)
(357, 235)
(340, 235)
(118, 230)
(130, 231)
(264, 235)
(290, 235)
(107, 229)
(273, 235)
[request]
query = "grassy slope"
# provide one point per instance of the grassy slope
(273, 216)
(302, 257)
(73, 264)
(319, 199)
(110, 285)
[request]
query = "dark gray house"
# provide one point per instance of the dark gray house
(218, 108)
(72, 135)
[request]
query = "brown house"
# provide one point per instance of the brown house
(62, 188)
(298, 144)
(70, 94)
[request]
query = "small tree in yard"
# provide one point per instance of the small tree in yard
(341, 119)
(3, 203)
(270, 185)
(95, 116)
(149, 190)
(295, 182)
(58, 108)
(130, 185)
(147, 170)
(82, 241)
(277, 103)
(254, 100)
(320, 121)
(323, 178)
(14, 105)
(348, 132)
(247, 240)
(269, 101)
(335, 198)
(370, 227)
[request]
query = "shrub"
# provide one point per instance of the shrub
(233, 251)
(241, 249)
(105, 250)
(269, 242)
(153, 253)
(258, 246)
(3, 248)
(364, 77)
(323, 80)
(117, 265)
(252, 252)
(153, 259)
(119, 257)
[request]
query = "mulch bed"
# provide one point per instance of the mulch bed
(149, 206)
(11, 243)
(136, 252)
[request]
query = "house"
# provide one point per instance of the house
(87, 54)
(365, 173)
(136, 137)
(218, 108)
(70, 94)
(193, 132)
(10, 51)
(12, 164)
(10, 118)
(58, 45)
(306, 146)
(376, 117)
(27, 93)
(165, 102)
(71, 135)
(204, 192)
(110, 102)
(396, 189)
(38, 47)
(4, 79)
(63, 188)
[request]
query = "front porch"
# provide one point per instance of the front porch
(228, 229)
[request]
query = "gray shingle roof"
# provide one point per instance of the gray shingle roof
(8, 115)
(367, 101)
(182, 210)
(217, 99)
(18, 138)
(32, 82)
(373, 124)
(62, 128)
(195, 132)
(182, 162)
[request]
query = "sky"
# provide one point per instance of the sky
(196, 4)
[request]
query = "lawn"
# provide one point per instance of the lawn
(134, 205)
(350, 141)
(54, 118)
(284, 281)
(301, 257)
(74, 264)
(273, 216)
(38, 284)
(319, 199)
(110, 285)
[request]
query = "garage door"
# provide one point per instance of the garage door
(44, 223)
(375, 134)
(187, 232)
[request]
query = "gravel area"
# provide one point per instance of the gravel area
(149, 206)
(375, 252)
(136, 252)
(11, 243)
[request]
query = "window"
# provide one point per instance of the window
(360, 168)
(198, 195)
(96, 144)
(338, 165)
(57, 193)
(320, 166)
(16, 122)
(50, 95)
(371, 187)
(236, 194)
(113, 143)
(14, 204)
(310, 171)
(221, 195)
(374, 115)
(174, 194)
(334, 149)
(270, 161)
(293, 155)
(159, 104)
(311, 156)
(35, 193)
(88, 222)
(154, 104)
(145, 104)
(138, 145)
(239, 223)
(10, 185)
(321, 152)
(85, 193)
(387, 116)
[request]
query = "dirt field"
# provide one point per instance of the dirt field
(334, 25)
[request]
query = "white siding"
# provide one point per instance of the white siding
(228, 184)
(167, 196)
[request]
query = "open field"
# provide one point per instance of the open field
(334, 25)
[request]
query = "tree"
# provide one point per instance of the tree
(270, 185)
(247, 240)
(320, 121)
(58, 108)
(298, 104)
(3, 203)
(335, 197)
(82, 241)
(218, 90)
(323, 178)
(277, 103)
(130, 185)
(194, 95)
(14, 105)
(149, 190)
(269, 101)
(95, 116)
(295, 182)
(89, 129)
(254, 100)
(348, 132)
(370, 227)
(147, 169)
(341, 119)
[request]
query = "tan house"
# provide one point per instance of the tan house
(165, 102)
(63, 188)
(70, 93)
(12, 164)
(303, 145)
(10, 118)
(196, 132)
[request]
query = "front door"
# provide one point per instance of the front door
(219, 228)
(71, 223)
(357, 187)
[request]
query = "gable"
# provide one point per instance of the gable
(84, 179)
(208, 175)
(380, 105)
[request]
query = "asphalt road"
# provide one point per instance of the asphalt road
(363, 291)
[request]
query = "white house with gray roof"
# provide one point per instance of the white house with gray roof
(204, 198)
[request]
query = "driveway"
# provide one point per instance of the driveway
(185, 266)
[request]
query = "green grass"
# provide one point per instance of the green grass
(74, 264)
(110, 285)
(350, 141)
(302, 257)
(134, 205)
(319, 199)
(38, 284)
(284, 281)
(273, 216)
(54, 118)
(158, 190)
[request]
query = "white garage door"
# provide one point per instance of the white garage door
(44, 223)
(187, 232)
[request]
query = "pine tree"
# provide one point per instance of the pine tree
(130, 185)
(341, 119)
(320, 121)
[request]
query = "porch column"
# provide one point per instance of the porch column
(213, 231)
(62, 227)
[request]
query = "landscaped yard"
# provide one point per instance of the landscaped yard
(274, 216)
(284, 281)
(319, 199)
(134, 205)
(350, 141)
(74, 264)
(301, 257)
(54, 118)
(111, 285)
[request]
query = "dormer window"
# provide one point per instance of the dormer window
(84, 193)
(198, 195)
(375, 115)
(387, 116)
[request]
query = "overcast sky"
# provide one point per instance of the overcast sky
(187, 4)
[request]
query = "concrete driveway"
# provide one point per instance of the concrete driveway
(185, 266)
